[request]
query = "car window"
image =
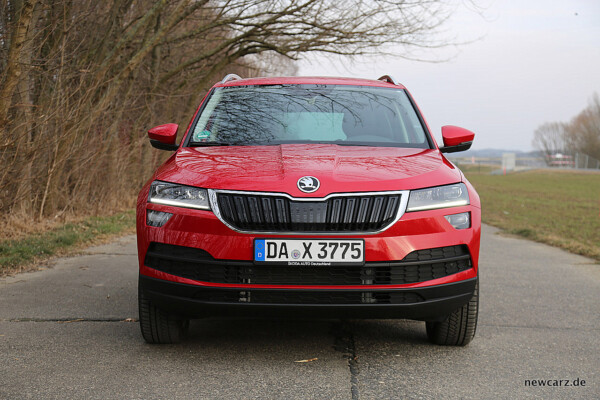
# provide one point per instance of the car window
(339, 114)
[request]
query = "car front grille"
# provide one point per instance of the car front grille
(198, 265)
(278, 213)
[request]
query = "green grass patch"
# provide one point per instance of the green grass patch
(561, 208)
(477, 168)
(14, 254)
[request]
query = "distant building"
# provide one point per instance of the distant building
(509, 161)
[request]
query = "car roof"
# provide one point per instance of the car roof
(308, 80)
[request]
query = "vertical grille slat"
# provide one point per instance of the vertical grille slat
(227, 207)
(282, 214)
(269, 215)
(349, 212)
(363, 209)
(376, 210)
(336, 211)
(277, 213)
(240, 208)
(392, 207)
(255, 213)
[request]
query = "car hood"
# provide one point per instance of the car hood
(277, 168)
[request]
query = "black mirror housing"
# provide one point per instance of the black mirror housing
(455, 149)
(163, 146)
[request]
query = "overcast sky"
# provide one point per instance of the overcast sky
(536, 62)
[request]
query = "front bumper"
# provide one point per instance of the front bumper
(191, 294)
(192, 301)
(203, 230)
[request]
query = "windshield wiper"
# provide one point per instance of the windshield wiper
(209, 144)
(353, 144)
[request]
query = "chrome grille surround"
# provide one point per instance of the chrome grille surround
(214, 203)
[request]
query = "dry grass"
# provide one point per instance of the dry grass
(28, 251)
(20, 225)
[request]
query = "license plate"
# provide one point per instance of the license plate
(309, 252)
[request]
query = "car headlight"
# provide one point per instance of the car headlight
(438, 197)
(172, 194)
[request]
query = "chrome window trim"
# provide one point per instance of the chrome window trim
(212, 197)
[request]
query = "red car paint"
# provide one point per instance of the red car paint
(340, 169)
(454, 135)
(166, 133)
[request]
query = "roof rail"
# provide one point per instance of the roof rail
(388, 79)
(230, 77)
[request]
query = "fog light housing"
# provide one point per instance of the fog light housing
(157, 218)
(459, 221)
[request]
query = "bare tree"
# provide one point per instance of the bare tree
(580, 135)
(81, 81)
(21, 16)
(583, 132)
(550, 139)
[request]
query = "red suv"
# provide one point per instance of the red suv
(314, 197)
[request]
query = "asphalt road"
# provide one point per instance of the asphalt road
(63, 334)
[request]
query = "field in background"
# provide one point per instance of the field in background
(558, 207)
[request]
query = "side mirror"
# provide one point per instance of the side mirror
(163, 137)
(456, 139)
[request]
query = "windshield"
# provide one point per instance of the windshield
(336, 114)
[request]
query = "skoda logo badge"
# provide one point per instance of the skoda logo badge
(308, 184)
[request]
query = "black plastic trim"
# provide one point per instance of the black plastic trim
(198, 265)
(278, 213)
(182, 299)
(163, 146)
(459, 147)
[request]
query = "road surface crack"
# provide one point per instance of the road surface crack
(344, 343)
(68, 320)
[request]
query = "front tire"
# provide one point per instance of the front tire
(159, 326)
(458, 329)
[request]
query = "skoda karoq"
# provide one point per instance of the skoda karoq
(309, 197)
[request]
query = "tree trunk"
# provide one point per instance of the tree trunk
(13, 67)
